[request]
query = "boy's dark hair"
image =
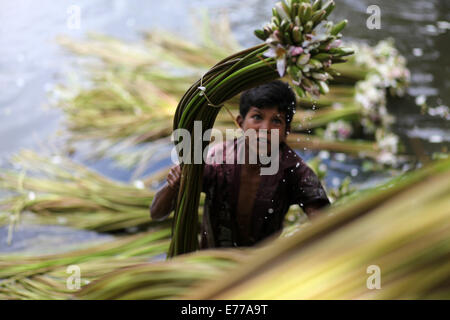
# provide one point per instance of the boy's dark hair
(272, 94)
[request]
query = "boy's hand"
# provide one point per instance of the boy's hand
(174, 177)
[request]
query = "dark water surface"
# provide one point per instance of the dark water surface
(31, 62)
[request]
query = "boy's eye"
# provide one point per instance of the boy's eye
(256, 116)
(277, 121)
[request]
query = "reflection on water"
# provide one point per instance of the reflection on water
(43, 240)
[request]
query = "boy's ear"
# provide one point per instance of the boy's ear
(240, 120)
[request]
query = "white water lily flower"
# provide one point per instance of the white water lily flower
(321, 32)
(387, 158)
(387, 142)
(281, 66)
(279, 53)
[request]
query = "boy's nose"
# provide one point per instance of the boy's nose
(264, 125)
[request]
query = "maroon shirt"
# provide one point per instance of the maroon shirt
(294, 183)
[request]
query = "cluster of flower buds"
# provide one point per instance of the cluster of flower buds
(338, 130)
(386, 61)
(305, 44)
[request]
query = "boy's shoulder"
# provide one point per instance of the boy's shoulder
(289, 158)
(218, 153)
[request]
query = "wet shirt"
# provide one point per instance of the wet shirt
(293, 183)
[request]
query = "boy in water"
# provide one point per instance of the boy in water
(243, 207)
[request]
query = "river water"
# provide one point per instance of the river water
(31, 62)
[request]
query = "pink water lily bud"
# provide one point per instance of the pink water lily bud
(335, 43)
(276, 35)
(295, 51)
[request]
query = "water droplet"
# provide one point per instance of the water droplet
(56, 160)
(62, 220)
(336, 181)
(430, 28)
(340, 157)
(443, 25)
(436, 138)
(421, 99)
(324, 154)
(270, 210)
(139, 184)
(31, 195)
(418, 52)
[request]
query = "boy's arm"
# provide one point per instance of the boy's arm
(164, 201)
(312, 210)
(308, 191)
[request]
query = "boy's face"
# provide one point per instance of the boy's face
(267, 118)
